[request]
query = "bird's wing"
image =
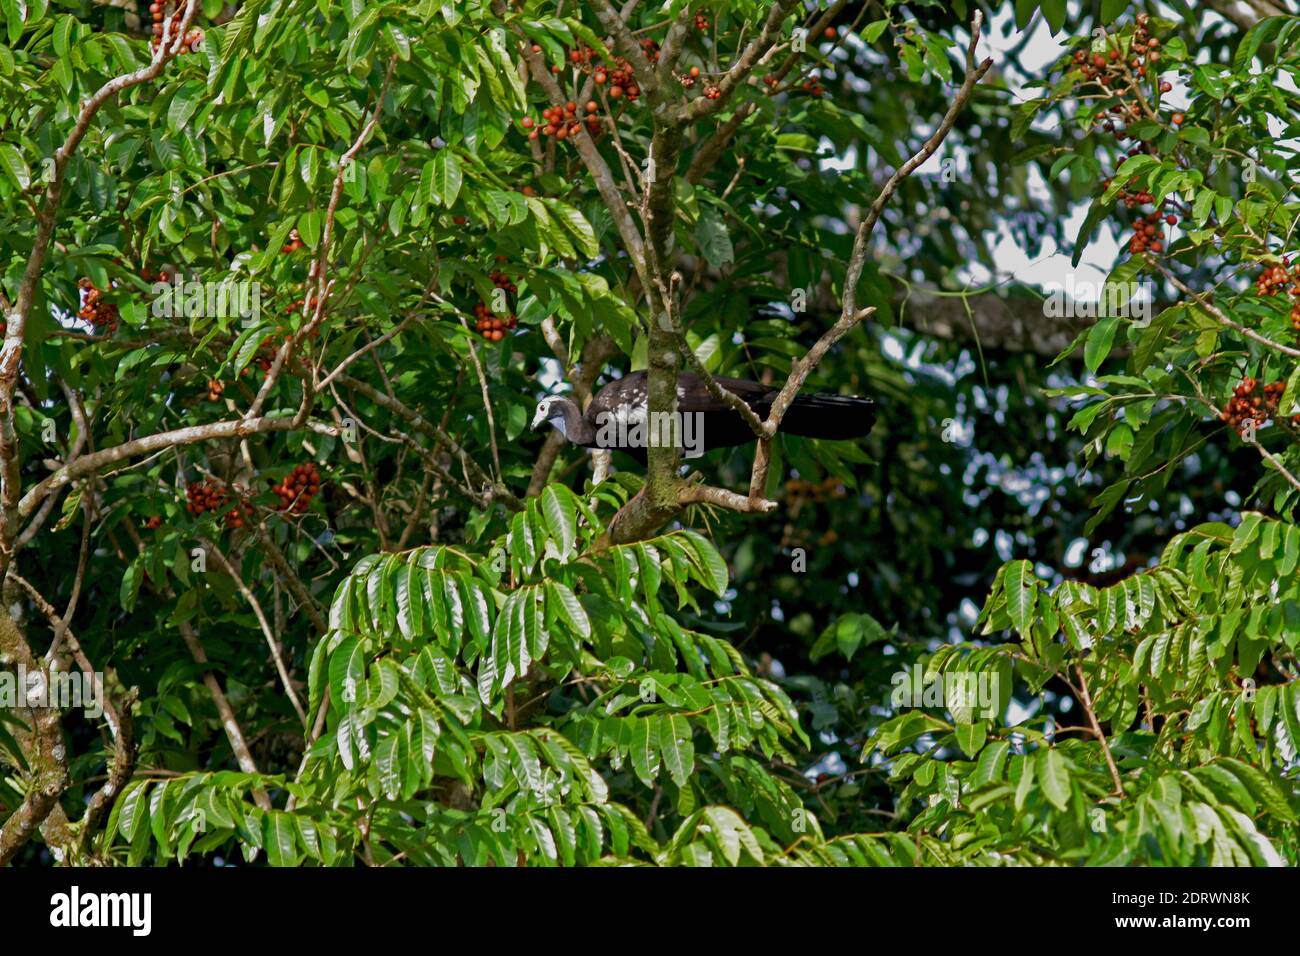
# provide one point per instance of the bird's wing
(627, 395)
(624, 397)
(692, 396)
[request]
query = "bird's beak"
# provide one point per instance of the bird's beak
(538, 418)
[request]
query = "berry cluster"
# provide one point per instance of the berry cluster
(811, 86)
(502, 281)
(235, 517)
(299, 488)
(1250, 404)
(1109, 69)
(154, 522)
(562, 121)
(1148, 234)
(193, 39)
(205, 496)
(489, 326)
(1274, 279)
(295, 242)
(100, 314)
(688, 79)
(216, 388)
(619, 76)
(701, 22)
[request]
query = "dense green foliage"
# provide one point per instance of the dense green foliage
(439, 656)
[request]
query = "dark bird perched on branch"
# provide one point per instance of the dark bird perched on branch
(617, 417)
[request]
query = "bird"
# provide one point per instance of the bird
(617, 417)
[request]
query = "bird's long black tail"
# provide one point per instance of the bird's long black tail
(833, 417)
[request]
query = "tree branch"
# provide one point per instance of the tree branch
(91, 463)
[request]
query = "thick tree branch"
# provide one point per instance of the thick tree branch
(116, 714)
(42, 747)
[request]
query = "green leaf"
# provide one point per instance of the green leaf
(1112, 9)
(645, 749)
(15, 165)
(677, 748)
(131, 581)
(183, 105)
(1054, 777)
(873, 31)
(711, 567)
(970, 737)
(1256, 37)
(447, 176)
(346, 673)
(280, 838)
(715, 243)
(570, 610)
(1054, 12)
(1022, 594)
(561, 517)
(1100, 339)
(309, 227)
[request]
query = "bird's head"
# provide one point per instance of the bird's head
(549, 410)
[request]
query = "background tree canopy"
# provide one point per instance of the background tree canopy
(283, 281)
